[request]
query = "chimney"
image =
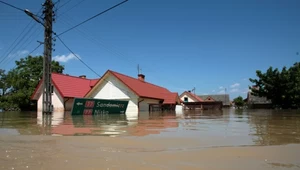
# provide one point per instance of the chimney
(83, 76)
(141, 77)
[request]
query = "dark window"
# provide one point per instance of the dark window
(186, 99)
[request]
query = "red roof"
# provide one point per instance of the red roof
(195, 96)
(145, 89)
(69, 86)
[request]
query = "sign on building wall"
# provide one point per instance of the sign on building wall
(82, 106)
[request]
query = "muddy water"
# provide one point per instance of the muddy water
(228, 139)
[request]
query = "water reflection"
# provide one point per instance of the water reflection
(260, 127)
(275, 127)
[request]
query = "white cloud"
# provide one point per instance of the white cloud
(221, 92)
(65, 58)
(245, 79)
(234, 90)
(221, 87)
(235, 85)
(213, 91)
(18, 54)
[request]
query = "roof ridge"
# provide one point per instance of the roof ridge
(62, 74)
(137, 79)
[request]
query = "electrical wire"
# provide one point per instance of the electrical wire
(35, 49)
(13, 45)
(92, 17)
(66, 19)
(12, 6)
(30, 53)
(64, 4)
(70, 9)
(77, 57)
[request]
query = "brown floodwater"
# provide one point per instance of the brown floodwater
(227, 139)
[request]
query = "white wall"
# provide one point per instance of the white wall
(57, 102)
(189, 99)
(111, 88)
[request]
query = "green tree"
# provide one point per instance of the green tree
(281, 87)
(3, 82)
(239, 102)
(24, 78)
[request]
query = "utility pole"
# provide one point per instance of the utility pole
(47, 87)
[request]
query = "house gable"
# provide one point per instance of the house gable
(189, 97)
(209, 99)
(109, 87)
(139, 87)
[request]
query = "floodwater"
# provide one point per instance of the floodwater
(227, 139)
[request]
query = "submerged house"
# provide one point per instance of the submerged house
(256, 102)
(112, 85)
(65, 89)
(140, 94)
(192, 101)
(187, 96)
(224, 98)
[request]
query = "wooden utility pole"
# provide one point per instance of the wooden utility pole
(47, 92)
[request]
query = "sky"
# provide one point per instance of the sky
(213, 46)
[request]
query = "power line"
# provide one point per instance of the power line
(77, 56)
(12, 6)
(30, 53)
(19, 39)
(64, 4)
(97, 41)
(35, 48)
(93, 17)
(70, 8)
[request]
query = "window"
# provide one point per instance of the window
(186, 99)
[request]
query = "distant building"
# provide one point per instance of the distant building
(191, 101)
(187, 96)
(257, 102)
(224, 98)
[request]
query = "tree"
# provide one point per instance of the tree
(281, 87)
(24, 78)
(238, 102)
(3, 82)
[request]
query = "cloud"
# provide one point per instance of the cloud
(221, 92)
(221, 87)
(18, 53)
(235, 85)
(234, 90)
(245, 79)
(65, 58)
(213, 91)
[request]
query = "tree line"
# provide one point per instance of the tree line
(18, 84)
